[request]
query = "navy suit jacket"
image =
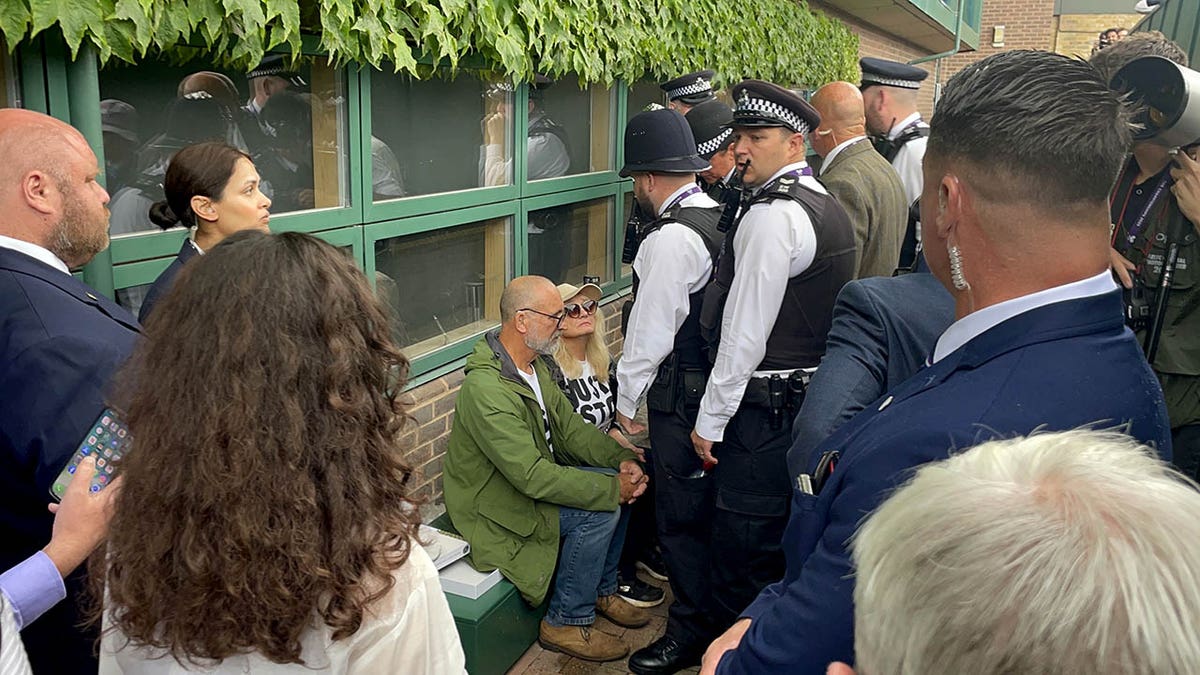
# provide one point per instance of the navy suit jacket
(60, 343)
(165, 280)
(883, 330)
(1060, 366)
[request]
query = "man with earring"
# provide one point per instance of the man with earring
(1023, 150)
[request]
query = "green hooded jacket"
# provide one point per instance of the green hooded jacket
(503, 485)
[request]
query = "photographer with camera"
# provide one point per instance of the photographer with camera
(1155, 209)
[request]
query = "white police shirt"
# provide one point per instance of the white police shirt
(774, 242)
(671, 264)
(907, 161)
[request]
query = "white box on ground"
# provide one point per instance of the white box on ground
(463, 580)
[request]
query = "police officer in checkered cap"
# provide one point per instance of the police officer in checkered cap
(889, 92)
(765, 317)
(714, 143)
(687, 91)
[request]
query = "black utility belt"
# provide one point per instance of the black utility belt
(677, 387)
(778, 391)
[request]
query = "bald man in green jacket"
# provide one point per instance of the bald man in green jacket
(525, 477)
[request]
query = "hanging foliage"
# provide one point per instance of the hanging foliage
(595, 40)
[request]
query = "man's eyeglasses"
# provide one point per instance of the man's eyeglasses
(578, 309)
(558, 318)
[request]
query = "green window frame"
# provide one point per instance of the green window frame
(52, 83)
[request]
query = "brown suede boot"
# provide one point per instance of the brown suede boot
(616, 610)
(582, 642)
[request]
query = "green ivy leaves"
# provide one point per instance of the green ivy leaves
(593, 40)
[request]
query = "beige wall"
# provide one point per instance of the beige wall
(1075, 34)
(874, 42)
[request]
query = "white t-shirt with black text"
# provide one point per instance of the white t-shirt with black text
(593, 396)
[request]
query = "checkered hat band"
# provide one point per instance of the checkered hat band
(891, 82)
(697, 87)
(708, 147)
(760, 107)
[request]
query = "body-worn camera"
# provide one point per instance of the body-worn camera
(1139, 306)
(633, 234)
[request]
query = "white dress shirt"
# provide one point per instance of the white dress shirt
(671, 263)
(34, 251)
(907, 161)
(13, 660)
(774, 242)
(410, 630)
(976, 323)
(837, 150)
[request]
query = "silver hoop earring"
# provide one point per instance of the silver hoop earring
(956, 270)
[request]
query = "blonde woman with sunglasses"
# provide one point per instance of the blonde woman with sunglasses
(585, 371)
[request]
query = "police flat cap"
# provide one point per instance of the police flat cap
(691, 88)
(763, 104)
(890, 74)
(273, 64)
(660, 141)
(708, 122)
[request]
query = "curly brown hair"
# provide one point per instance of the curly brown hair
(265, 481)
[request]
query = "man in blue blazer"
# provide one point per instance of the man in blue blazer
(1024, 148)
(60, 343)
(884, 329)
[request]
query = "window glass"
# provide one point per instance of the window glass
(439, 135)
(569, 241)
(10, 85)
(641, 94)
(131, 298)
(443, 286)
(568, 130)
(291, 119)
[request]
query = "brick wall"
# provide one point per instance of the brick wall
(1028, 24)
(431, 406)
(876, 43)
(1076, 34)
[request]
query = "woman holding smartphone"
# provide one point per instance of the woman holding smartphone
(265, 523)
(214, 190)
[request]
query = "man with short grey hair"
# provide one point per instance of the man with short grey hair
(525, 476)
(1075, 553)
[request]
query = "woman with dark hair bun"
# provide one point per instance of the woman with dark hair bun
(213, 189)
(266, 522)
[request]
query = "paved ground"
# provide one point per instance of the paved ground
(538, 661)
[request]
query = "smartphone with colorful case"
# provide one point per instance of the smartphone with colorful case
(106, 440)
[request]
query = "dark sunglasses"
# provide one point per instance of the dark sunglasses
(576, 309)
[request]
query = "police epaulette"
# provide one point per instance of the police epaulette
(787, 186)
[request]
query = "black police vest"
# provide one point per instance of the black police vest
(689, 344)
(890, 147)
(798, 338)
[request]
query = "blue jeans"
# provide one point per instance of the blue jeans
(587, 561)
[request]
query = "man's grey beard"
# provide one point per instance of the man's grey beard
(546, 347)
